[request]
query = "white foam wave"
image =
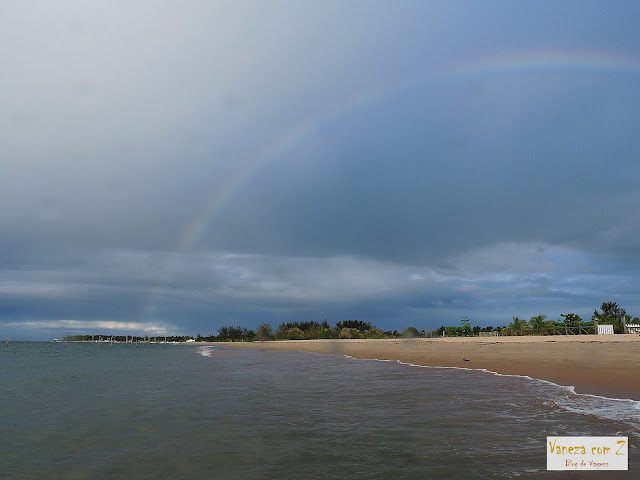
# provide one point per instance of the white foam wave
(621, 409)
(206, 351)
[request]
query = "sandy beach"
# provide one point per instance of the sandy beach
(601, 365)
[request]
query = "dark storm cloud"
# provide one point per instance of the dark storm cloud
(433, 177)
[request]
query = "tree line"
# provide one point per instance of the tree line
(125, 338)
(304, 330)
(610, 313)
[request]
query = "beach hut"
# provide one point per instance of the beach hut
(633, 328)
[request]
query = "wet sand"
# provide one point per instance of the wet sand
(607, 365)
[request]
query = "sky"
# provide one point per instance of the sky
(172, 167)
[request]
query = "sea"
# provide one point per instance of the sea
(176, 411)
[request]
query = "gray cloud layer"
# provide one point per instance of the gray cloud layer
(185, 166)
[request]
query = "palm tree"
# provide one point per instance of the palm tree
(538, 322)
(517, 324)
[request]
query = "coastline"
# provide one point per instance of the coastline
(605, 365)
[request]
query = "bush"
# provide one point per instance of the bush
(350, 333)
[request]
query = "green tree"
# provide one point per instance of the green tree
(538, 322)
(350, 333)
(611, 314)
(295, 334)
(373, 333)
(357, 324)
(227, 332)
(571, 319)
(517, 324)
(264, 332)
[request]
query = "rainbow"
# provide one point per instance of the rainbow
(288, 139)
(516, 62)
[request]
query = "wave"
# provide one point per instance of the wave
(619, 409)
(207, 350)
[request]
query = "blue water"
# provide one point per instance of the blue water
(114, 411)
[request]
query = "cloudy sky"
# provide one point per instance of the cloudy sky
(178, 166)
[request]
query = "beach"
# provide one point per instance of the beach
(606, 365)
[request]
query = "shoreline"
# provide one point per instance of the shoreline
(605, 365)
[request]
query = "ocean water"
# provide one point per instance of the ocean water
(87, 411)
